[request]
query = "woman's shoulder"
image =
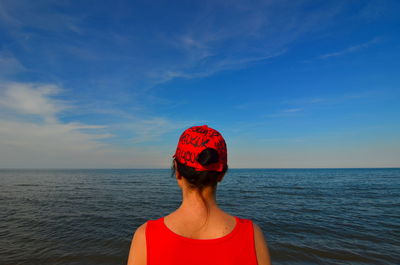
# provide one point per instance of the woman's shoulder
(260, 244)
(138, 251)
(140, 231)
(139, 236)
(257, 229)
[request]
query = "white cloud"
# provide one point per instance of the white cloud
(26, 141)
(38, 15)
(217, 36)
(9, 65)
(48, 142)
(29, 145)
(350, 49)
(31, 99)
(222, 36)
(5, 17)
(292, 110)
(151, 129)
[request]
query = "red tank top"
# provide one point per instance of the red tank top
(165, 247)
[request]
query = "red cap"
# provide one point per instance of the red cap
(194, 140)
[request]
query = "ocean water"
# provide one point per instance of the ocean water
(309, 216)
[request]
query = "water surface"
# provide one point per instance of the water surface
(309, 216)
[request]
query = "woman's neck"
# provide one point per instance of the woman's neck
(196, 203)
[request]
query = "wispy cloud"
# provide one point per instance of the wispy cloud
(6, 17)
(38, 15)
(150, 129)
(212, 45)
(26, 145)
(46, 140)
(32, 100)
(350, 49)
(43, 138)
(290, 112)
(331, 99)
(303, 101)
(216, 37)
(225, 64)
(297, 106)
(9, 65)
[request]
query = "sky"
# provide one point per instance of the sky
(113, 84)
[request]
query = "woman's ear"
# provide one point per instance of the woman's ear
(219, 179)
(177, 175)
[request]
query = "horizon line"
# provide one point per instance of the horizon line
(163, 168)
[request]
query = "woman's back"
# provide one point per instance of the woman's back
(176, 244)
(218, 224)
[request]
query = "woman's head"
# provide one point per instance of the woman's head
(201, 156)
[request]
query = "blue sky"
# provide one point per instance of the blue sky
(111, 84)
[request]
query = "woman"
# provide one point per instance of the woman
(199, 232)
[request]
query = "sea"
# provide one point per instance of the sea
(308, 216)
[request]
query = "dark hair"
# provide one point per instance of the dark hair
(201, 179)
